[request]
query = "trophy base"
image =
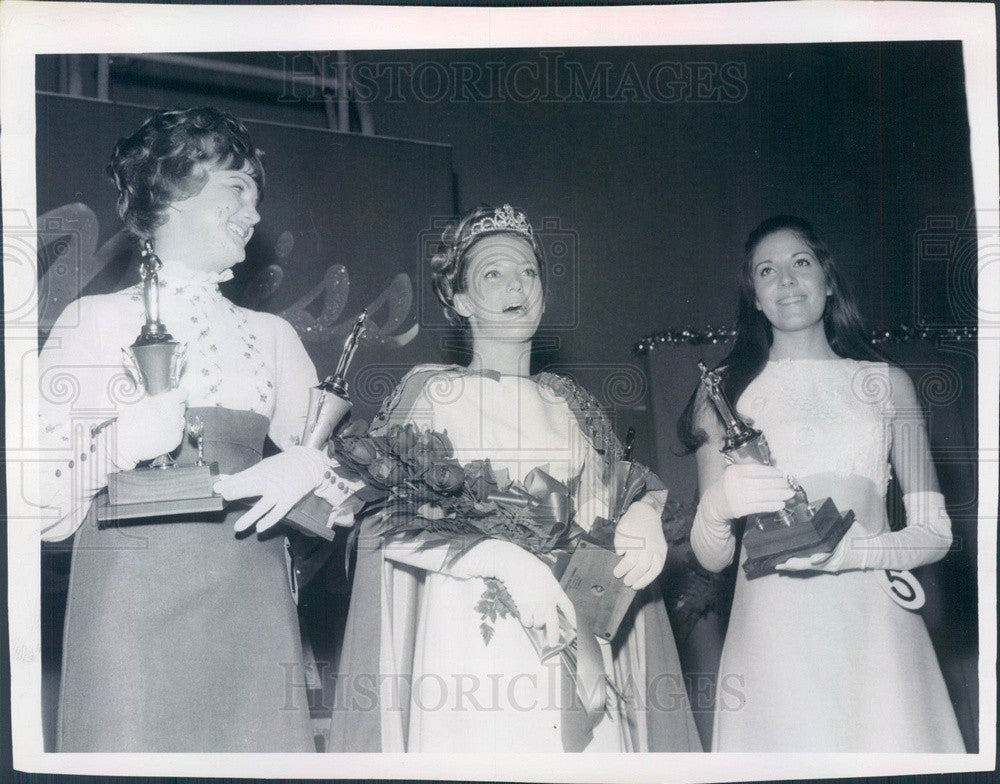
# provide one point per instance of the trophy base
(159, 492)
(820, 534)
(311, 516)
(596, 593)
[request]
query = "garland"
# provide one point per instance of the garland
(713, 335)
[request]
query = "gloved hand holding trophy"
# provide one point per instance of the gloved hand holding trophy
(802, 527)
(299, 487)
(163, 487)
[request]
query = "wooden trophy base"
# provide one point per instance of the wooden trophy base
(596, 593)
(820, 534)
(159, 492)
(311, 516)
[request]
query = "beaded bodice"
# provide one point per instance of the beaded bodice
(829, 417)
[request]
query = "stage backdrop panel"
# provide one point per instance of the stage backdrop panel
(346, 222)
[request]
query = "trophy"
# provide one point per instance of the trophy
(801, 528)
(588, 577)
(163, 487)
(329, 403)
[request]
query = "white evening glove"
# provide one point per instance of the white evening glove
(925, 539)
(281, 481)
(640, 541)
(150, 427)
(535, 590)
(747, 488)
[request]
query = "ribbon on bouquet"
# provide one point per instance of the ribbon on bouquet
(546, 498)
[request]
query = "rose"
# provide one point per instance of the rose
(359, 451)
(429, 447)
(437, 442)
(419, 459)
(354, 428)
(445, 476)
(402, 438)
(386, 471)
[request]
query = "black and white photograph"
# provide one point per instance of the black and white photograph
(461, 392)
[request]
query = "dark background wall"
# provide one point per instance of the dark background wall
(651, 164)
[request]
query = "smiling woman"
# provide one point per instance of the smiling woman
(211, 228)
(153, 605)
(826, 657)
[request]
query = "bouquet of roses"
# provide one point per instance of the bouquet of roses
(414, 485)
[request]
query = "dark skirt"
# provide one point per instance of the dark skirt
(180, 636)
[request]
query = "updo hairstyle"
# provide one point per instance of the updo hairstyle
(449, 264)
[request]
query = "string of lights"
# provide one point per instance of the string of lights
(712, 335)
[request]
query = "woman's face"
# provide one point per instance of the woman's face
(788, 281)
(209, 231)
(503, 290)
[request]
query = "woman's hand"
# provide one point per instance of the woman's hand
(536, 592)
(640, 542)
(746, 488)
(832, 562)
(539, 598)
(150, 427)
(281, 481)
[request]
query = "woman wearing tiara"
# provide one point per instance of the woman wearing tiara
(818, 656)
(416, 673)
(179, 636)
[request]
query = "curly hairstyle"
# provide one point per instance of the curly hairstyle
(448, 265)
(166, 160)
(842, 321)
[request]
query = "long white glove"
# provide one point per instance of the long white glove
(749, 488)
(925, 539)
(281, 481)
(150, 427)
(536, 592)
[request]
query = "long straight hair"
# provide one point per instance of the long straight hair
(842, 322)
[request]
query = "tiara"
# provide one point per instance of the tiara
(504, 218)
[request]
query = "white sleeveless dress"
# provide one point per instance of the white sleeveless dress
(828, 662)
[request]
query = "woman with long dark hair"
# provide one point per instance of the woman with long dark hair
(818, 656)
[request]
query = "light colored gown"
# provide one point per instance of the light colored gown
(829, 662)
(179, 635)
(460, 693)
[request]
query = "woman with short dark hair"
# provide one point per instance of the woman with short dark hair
(179, 636)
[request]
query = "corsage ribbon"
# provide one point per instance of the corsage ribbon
(547, 498)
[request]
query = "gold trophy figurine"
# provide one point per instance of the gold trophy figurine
(801, 528)
(328, 401)
(328, 405)
(163, 487)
